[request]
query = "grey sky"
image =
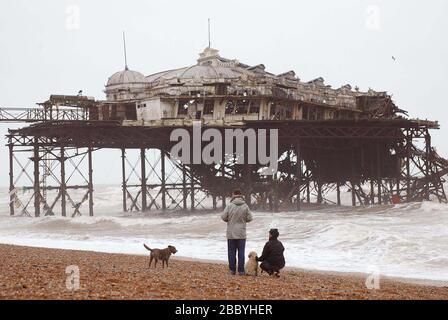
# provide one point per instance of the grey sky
(350, 41)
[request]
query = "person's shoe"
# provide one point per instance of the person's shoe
(277, 274)
(242, 273)
(232, 273)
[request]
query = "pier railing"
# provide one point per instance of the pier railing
(39, 114)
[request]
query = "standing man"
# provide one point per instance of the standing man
(236, 214)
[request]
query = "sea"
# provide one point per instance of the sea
(405, 240)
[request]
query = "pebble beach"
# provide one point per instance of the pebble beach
(40, 273)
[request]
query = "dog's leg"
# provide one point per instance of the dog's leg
(150, 261)
(167, 262)
(163, 264)
(155, 263)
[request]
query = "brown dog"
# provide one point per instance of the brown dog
(160, 254)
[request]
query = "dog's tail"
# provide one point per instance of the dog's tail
(147, 248)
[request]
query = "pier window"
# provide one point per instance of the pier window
(272, 111)
(312, 114)
(305, 113)
(130, 112)
(320, 114)
(337, 115)
(182, 107)
(242, 107)
(254, 107)
(230, 107)
(105, 111)
(209, 107)
(280, 111)
(114, 112)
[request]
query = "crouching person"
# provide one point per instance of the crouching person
(272, 259)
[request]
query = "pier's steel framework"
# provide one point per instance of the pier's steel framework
(378, 161)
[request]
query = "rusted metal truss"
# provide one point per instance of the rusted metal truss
(50, 180)
(376, 161)
(154, 181)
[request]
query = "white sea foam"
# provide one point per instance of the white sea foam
(406, 240)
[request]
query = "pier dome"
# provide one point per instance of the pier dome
(126, 77)
(210, 67)
(126, 85)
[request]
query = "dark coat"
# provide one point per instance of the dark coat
(273, 253)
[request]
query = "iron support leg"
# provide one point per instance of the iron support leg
(63, 184)
(299, 175)
(163, 178)
(379, 173)
(193, 205)
(353, 194)
(352, 182)
(248, 178)
(36, 180)
(408, 166)
(276, 195)
(427, 164)
(11, 179)
(184, 187)
(123, 177)
(89, 155)
(223, 173)
(320, 198)
(143, 175)
(308, 194)
(338, 193)
(215, 204)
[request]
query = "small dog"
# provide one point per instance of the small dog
(252, 268)
(160, 254)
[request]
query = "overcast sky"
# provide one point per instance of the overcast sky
(64, 46)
